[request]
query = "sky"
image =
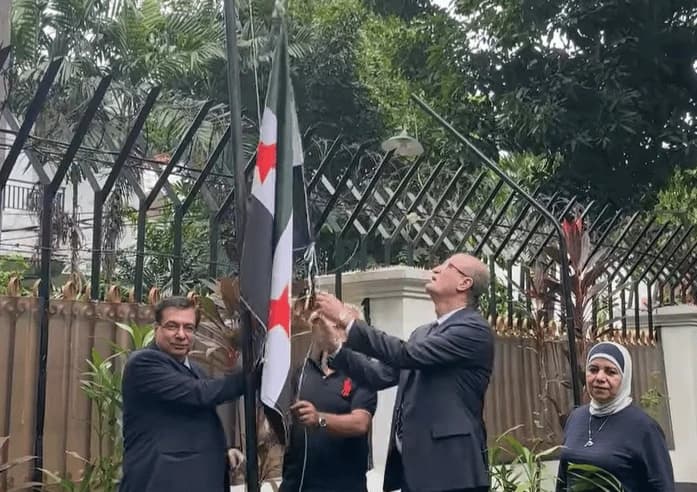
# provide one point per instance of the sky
(442, 3)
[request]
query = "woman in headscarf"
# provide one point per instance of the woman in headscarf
(612, 433)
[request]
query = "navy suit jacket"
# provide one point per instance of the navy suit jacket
(173, 438)
(442, 373)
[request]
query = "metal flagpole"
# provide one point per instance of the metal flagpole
(238, 164)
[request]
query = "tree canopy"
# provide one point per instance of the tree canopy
(608, 85)
(594, 98)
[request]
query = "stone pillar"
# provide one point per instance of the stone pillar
(679, 341)
(398, 304)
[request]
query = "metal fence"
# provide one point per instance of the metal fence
(374, 208)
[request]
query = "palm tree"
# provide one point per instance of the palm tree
(176, 44)
(141, 45)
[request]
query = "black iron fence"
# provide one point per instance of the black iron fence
(374, 208)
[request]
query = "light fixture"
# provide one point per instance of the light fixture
(403, 145)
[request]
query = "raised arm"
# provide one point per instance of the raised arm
(149, 375)
(365, 371)
(465, 341)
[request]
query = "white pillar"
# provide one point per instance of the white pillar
(398, 304)
(679, 341)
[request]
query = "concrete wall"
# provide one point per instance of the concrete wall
(679, 340)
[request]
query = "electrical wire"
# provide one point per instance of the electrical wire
(85, 149)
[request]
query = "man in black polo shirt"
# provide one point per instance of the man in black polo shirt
(328, 448)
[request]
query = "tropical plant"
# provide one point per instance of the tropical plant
(101, 383)
(543, 291)
(590, 478)
(586, 264)
(515, 467)
(12, 270)
(652, 400)
(159, 246)
(140, 45)
(219, 331)
(219, 335)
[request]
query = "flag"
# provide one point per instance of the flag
(276, 224)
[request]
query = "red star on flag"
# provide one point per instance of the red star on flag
(279, 311)
(266, 160)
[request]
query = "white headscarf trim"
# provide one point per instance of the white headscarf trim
(622, 400)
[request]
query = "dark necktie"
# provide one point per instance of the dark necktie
(398, 414)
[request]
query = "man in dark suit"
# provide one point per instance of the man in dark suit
(173, 438)
(438, 438)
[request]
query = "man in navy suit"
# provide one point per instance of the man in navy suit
(173, 439)
(438, 438)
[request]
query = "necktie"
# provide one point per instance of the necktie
(398, 427)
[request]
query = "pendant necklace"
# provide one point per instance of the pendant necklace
(590, 442)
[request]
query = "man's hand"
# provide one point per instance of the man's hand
(334, 310)
(306, 413)
(327, 335)
(235, 457)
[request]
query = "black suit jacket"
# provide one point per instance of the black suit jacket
(173, 438)
(442, 374)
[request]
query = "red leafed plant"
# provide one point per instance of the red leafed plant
(586, 265)
(219, 346)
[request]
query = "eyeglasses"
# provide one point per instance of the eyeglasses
(174, 327)
(450, 265)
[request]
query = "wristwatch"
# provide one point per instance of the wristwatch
(322, 421)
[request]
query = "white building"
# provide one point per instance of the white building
(19, 224)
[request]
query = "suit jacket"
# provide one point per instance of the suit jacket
(173, 438)
(442, 373)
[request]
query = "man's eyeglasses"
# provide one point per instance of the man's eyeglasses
(450, 265)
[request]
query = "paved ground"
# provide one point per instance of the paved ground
(374, 483)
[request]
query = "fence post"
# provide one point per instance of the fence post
(48, 195)
(101, 195)
(184, 208)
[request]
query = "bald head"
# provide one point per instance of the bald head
(459, 280)
(474, 268)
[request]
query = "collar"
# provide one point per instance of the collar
(447, 316)
(186, 362)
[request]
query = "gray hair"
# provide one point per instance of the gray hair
(480, 282)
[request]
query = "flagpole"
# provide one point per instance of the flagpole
(235, 105)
